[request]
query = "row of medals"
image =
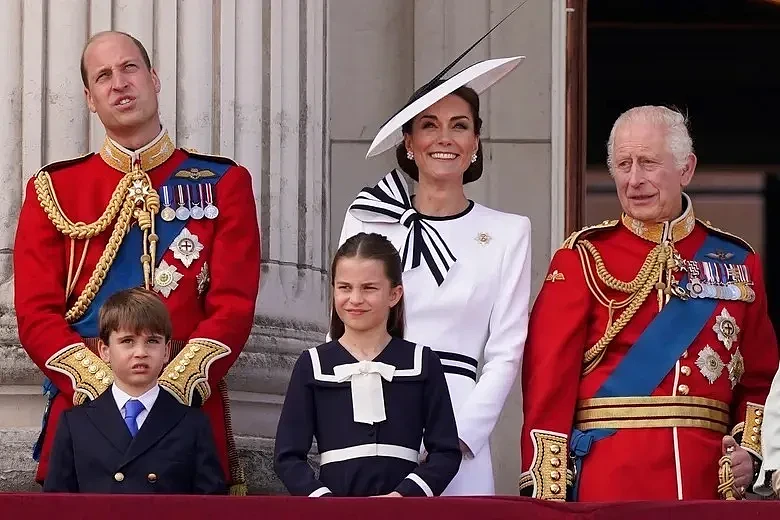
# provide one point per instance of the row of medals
(189, 209)
(696, 288)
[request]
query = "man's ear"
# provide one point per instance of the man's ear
(688, 170)
(90, 101)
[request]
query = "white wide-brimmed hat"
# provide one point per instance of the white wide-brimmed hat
(479, 76)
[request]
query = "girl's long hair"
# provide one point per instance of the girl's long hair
(370, 246)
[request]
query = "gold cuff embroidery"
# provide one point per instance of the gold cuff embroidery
(188, 371)
(89, 374)
(548, 470)
(751, 434)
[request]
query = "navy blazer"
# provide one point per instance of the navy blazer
(172, 453)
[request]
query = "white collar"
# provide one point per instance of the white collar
(148, 398)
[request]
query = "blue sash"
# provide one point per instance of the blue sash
(126, 270)
(654, 354)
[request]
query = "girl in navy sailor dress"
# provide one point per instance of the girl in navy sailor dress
(368, 397)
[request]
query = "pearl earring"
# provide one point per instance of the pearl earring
(474, 157)
(410, 155)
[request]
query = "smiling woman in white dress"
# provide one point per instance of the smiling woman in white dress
(466, 267)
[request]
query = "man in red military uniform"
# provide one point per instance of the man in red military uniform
(650, 351)
(140, 213)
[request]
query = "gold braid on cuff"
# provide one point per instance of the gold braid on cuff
(89, 374)
(188, 371)
(751, 429)
(548, 472)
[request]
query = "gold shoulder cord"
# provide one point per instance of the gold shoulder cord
(657, 266)
(134, 189)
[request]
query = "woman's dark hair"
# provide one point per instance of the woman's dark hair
(474, 171)
(371, 246)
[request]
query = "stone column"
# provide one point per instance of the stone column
(242, 78)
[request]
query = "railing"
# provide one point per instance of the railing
(134, 507)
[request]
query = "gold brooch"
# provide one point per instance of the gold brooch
(736, 368)
(203, 279)
(555, 276)
(483, 238)
(195, 174)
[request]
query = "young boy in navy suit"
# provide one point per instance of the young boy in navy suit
(134, 438)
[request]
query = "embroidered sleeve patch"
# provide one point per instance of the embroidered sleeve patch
(89, 374)
(188, 372)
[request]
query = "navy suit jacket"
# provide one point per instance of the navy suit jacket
(172, 453)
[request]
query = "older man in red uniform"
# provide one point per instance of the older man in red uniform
(140, 213)
(650, 351)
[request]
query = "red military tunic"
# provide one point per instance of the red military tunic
(211, 300)
(649, 457)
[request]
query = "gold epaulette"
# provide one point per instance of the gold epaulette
(207, 156)
(58, 165)
(89, 374)
(587, 230)
(734, 238)
(188, 372)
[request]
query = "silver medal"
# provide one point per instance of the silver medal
(211, 210)
(167, 214)
(197, 207)
(182, 213)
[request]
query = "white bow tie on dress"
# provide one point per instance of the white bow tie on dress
(365, 379)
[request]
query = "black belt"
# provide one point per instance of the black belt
(453, 363)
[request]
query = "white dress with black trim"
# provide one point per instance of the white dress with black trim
(467, 284)
(369, 418)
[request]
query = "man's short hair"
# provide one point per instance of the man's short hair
(136, 310)
(141, 48)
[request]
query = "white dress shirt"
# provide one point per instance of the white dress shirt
(148, 399)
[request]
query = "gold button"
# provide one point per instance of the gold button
(683, 389)
(85, 363)
(194, 348)
(119, 477)
(151, 477)
(92, 369)
(756, 429)
(100, 375)
(174, 376)
(555, 462)
(754, 438)
(555, 475)
(555, 488)
(758, 413)
(555, 449)
(686, 371)
(757, 421)
(80, 355)
(106, 380)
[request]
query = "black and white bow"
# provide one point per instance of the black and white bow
(389, 201)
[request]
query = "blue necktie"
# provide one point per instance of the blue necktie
(132, 409)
